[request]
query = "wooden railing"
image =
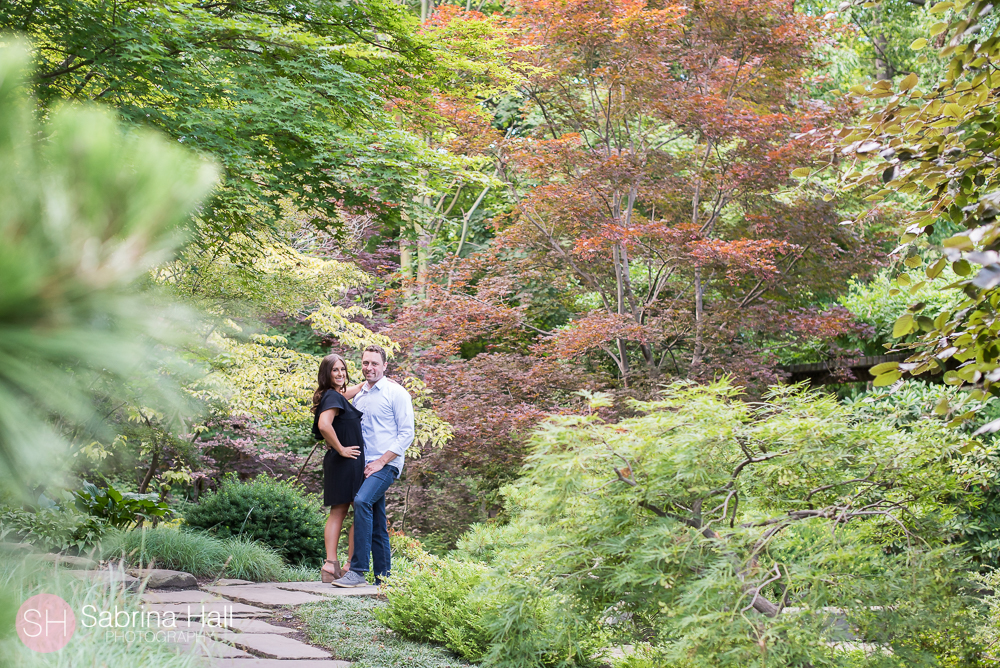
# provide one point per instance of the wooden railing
(823, 373)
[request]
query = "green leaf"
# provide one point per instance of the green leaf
(918, 44)
(887, 379)
(908, 82)
(801, 172)
(959, 241)
(884, 367)
(935, 269)
(902, 326)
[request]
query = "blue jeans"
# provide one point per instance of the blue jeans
(371, 532)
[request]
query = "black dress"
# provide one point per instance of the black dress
(342, 477)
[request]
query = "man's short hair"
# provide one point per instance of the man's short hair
(375, 348)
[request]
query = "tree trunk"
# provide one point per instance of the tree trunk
(405, 263)
(620, 306)
(423, 250)
(699, 318)
(150, 472)
(883, 68)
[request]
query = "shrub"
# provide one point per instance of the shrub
(436, 601)
(197, 553)
(691, 525)
(916, 402)
(279, 514)
(458, 602)
(487, 542)
(119, 509)
(51, 529)
(631, 532)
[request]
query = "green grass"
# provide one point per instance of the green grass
(197, 553)
(348, 628)
(21, 578)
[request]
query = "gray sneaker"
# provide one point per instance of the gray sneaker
(352, 579)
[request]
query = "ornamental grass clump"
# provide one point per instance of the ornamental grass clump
(195, 552)
(277, 513)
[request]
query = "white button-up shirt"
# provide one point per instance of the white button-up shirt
(387, 424)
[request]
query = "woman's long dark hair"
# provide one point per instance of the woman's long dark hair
(323, 377)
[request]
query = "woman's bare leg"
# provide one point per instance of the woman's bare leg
(332, 530)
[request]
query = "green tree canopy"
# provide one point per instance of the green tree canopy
(281, 94)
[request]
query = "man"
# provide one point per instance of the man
(387, 428)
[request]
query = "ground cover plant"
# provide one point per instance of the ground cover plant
(349, 627)
(51, 529)
(431, 599)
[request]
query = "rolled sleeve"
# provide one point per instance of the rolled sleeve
(402, 407)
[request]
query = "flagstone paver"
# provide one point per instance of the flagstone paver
(109, 577)
(274, 646)
(68, 561)
(265, 594)
(257, 626)
(183, 628)
(183, 596)
(222, 607)
(240, 634)
(183, 625)
(205, 646)
(279, 663)
(328, 589)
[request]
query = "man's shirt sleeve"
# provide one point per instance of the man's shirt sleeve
(402, 408)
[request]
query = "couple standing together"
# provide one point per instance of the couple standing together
(365, 444)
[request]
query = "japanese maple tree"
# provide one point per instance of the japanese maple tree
(647, 180)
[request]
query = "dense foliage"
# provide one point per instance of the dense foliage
(276, 513)
(120, 510)
(721, 533)
(933, 143)
(263, 87)
(594, 238)
(85, 210)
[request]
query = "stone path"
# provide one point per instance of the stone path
(238, 624)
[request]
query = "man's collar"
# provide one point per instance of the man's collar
(378, 384)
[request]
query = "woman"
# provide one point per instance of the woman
(338, 423)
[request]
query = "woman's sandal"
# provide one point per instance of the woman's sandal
(329, 577)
